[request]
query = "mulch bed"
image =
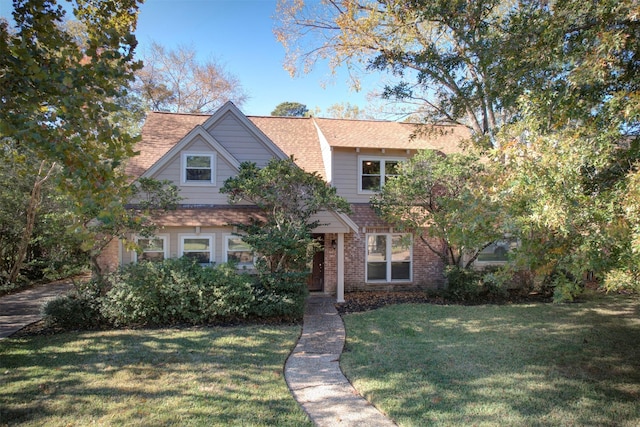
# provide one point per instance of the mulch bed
(367, 300)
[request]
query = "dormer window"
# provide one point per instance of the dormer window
(198, 168)
(375, 171)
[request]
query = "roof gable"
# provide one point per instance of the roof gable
(230, 108)
(197, 131)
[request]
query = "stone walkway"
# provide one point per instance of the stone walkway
(314, 376)
(22, 309)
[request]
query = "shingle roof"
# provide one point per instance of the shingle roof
(161, 131)
(383, 134)
(297, 136)
(218, 216)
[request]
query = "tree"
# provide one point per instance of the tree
(446, 54)
(57, 98)
(442, 197)
(60, 96)
(573, 154)
(34, 220)
(135, 213)
(345, 110)
(290, 109)
(176, 81)
(288, 197)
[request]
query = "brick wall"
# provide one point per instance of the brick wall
(427, 267)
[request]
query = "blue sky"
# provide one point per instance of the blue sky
(238, 34)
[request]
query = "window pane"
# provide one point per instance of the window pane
(377, 248)
(201, 257)
(370, 167)
(497, 252)
(151, 244)
(151, 256)
(236, 244)
(240, 257)
(391, 167)
(192, 244)
(371, 183)
(400, 270)
(400, 248)
(376, 271)
(198, 174)
(198, 162)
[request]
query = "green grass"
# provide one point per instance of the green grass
(511, 365)
(192, 377)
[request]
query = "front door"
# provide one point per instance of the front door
(315, 282)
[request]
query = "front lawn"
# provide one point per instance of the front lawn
(190, 377)
(535, 365)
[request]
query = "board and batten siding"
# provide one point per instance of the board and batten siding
(345, 170)
(242, 143)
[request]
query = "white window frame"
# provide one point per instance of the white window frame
(183, 168)
(165, 245)
(247, 266)
(389, 260)
(383, 160)
(210, 237)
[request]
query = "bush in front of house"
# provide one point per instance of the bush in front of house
(468, 285)
(177, 292)
(80, 308)
(281, 295)
(180, 291)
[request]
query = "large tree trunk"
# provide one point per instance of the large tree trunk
(32, 209)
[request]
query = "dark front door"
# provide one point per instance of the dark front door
(315, 282)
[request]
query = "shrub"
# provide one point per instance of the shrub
(622, 281)
(154, 293)
(225, 293)
(463, 284)
(181, 292)
(281, 295)
(78, 309)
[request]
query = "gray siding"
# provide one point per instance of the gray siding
(198, 194)
(234, 136)
(345, 170)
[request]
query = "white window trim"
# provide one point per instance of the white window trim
(165, 244)
(226, 253)
(212, 242)
(183, 168)
(389, 261)
(382, 161)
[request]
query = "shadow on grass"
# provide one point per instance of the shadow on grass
(575, 364)
(208, 376)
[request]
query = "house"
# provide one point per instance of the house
(361, 252)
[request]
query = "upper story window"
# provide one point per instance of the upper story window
(152, 248)
(198, 168)
(198, 247)
(375, 171)
(236, 250)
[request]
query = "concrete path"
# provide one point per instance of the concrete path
(22, 309)
(314, 376)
